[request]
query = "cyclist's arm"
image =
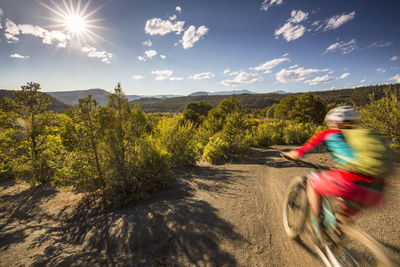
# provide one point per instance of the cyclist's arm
(315, 141)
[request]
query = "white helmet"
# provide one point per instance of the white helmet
(342, 114)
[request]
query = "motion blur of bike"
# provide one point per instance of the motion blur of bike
(322, 203)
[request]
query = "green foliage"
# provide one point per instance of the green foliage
(217, 150)
(36, 155)
(177, 141)
(304, 108)
(196, 112)
(234, 132)
(297, 133)
(283, 132)
(383, 115)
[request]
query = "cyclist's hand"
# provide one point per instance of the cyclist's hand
(293, 155)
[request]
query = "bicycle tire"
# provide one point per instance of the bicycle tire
(296, 192)
(358, 248)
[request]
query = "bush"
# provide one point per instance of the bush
(216, 150)
(383, 116)
(297, 133)
(177, 141)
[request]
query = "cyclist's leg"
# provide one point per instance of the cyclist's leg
(314, 199)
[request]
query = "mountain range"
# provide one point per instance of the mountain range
(101, 95)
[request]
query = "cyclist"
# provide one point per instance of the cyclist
(341, 181)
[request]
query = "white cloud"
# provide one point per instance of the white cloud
(338, 20)
(394, 58)
(162, 75)
(363, 81)
(268, 3)
(178, 9)
(150, 53)
(295, 75)
(320, 79)
(269, 65)
(201, 76)
(297, 16)
(173, 17)
(104, 56)
(292, 30)
(316, 23)
(141, 58)
(344, 75)
(12, 30)
(380, 70)
(163, 56)
(346, 48)
(176, 79)
(191, 36)
(233, 73)
(147, 43)
(138, 77)
(19, 56)
(227, 71)
(395, 78)
(242, 78)
(158, 26)
(379, 44)
(293, 66)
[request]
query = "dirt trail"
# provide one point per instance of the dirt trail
(223, 215)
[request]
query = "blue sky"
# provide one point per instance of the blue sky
(179, 47)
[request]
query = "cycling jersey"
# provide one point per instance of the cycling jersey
(334, 140)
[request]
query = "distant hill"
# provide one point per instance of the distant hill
(55, 104)
(238, 92)
(358, 96)
(72, 97)
(279, 92)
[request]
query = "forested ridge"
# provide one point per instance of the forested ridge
(358, 96)
(54, 105)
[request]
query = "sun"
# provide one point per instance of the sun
(76, 24)
(75, 19)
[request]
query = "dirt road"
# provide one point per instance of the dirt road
(223, 215)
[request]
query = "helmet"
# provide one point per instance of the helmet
(342, 114)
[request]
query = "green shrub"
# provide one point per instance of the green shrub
(383, 116)
(178, 141)
(216, 150)
(297, 133)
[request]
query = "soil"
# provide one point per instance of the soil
(213, 215)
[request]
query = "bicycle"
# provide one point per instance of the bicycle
(342, 243)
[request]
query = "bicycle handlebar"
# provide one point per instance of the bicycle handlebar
(310, 164)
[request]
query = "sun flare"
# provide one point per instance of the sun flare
(75, 24)
(74, 18)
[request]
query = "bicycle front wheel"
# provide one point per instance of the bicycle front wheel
(295, 207)
(357, 248)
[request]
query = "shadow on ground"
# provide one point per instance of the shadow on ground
(170, 228)
(20, 209)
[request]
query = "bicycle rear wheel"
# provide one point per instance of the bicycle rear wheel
(295, 207)
(357, 248)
